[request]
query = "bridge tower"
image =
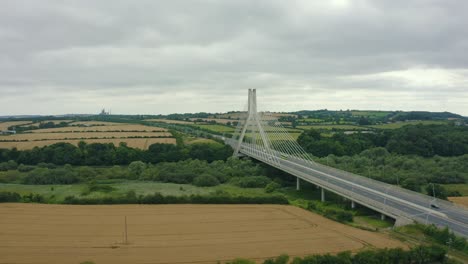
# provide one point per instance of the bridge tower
(253, 119)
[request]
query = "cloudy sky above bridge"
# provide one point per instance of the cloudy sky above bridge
(188, 56)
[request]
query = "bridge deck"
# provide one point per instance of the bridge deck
(387, 199)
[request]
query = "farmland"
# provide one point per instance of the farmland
(135, 135)
(217, 128)
(6, 125)
(140, 143)
(460, 200)
(42, 233)
(169, 121)
(81, 135)
(401, 124)
(101, 128)
(331, 127)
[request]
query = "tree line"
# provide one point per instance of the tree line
(421, 140)
(196, 172)
(409, 171)
(419, 254)
(106, 154)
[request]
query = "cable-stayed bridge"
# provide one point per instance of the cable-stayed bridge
(262, 137)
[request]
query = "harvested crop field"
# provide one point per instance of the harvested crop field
(39, 233)
(94, 123)
(82, 135)
(6, 125)
(169, 121)
(109, 128)
(141, 143)
(462, 200)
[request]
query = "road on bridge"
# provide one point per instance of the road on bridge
(387, 199)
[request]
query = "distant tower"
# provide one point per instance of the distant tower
(103, 112)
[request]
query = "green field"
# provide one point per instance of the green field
(330, 127)
(311, 120)
(461, 188)
(294, 136)
(56, 193)
(217, 128)
(380, 114)
(401, 124)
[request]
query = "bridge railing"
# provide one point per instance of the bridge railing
(355, 193)
(378, 206)
(383, 186)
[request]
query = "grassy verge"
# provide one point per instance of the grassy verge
(415, 235)
(461, 188)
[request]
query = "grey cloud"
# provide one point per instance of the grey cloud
(206, 53)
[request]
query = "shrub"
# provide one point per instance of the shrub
(271, 187)
(136, 168)
(9, 197)
(205, 180)
(251, 181)
(9, 165)
(25, 168)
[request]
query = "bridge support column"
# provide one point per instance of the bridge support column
(382, 217)
(322, 194)
(353, 205)
(298, 183)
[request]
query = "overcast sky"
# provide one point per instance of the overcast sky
(154, 57)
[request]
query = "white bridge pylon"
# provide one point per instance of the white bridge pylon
(262, 133)
(252, 121)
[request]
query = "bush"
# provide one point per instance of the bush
(33, 198)
(158, 198)
(48, 176)
(136, 168)
(271, 187)
(9, 197)
(251, 181)
(205, 180)
(9, 165)
(337, 214)
(241, 261)
(282, 259)
(25, 168)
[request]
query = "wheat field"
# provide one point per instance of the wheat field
(140, 143)
(45, 233)
(109, 128)
(80, 135)
(5, 125)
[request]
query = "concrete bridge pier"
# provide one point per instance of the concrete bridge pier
(322, 194)
(402, 221)
(298, 184)
(382, 217)
(353, 205)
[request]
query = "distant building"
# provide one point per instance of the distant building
(103, 112)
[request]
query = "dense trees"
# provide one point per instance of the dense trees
(157, 198)
(409, 171)
(98, 154)
(422, 140)
(197, 172)
(418, 254)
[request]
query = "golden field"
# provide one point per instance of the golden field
(41, 233)
(462, 200)
(217, 120)
(140, 143)
(169, 121)
(109, 128)
(80, 135)
(94, 123)
(6, 125)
